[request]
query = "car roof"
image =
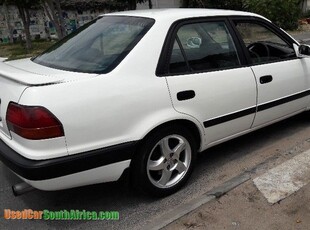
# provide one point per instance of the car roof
(174, 14)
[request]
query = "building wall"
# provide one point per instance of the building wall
(305, 5)
(42, 28)
(40, 25)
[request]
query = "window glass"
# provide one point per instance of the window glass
(263, 44)
(177, 61)
(98, 47)
(206, 46)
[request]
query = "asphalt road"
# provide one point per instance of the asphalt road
(214, 167)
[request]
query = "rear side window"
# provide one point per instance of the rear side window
(200, 47)
(98, 47)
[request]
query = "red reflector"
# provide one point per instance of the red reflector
(33, 122)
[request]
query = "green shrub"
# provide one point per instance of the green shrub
(228, 4)
(284, 13)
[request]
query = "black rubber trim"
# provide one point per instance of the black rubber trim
(229, 117)
(283, 101)
(62, 166)
(252, 110)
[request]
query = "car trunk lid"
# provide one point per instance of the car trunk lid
(16, 76)
(25, 77)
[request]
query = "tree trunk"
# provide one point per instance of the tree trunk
(49, 8)
(7, 20)
(25, 16)
(150, 4)
(201, 4)
(61, 19)
(132, 4)
(185, 3)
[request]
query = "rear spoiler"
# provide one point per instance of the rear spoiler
(25, 77)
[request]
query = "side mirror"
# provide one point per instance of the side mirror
(302, 50)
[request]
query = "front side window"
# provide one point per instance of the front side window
(97, 47)
(263, 44)
(200, 47)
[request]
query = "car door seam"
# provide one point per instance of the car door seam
(256, 83)
(201, 126)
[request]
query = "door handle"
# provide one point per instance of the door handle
(186, 95)
(265, 79)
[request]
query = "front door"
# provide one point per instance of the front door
(283, 80)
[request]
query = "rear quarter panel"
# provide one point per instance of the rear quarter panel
(105, 110)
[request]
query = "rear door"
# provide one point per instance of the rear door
(283, 79)
(208, 77)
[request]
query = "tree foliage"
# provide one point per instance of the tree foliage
(228, 4)
(283, 13)
(132, 4)
(220, 4)
(52, 9)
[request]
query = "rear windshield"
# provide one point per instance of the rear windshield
(97, 47)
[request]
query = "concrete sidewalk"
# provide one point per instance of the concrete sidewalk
(275, 198)
(301, 36)
(246, 208)
(270, 196)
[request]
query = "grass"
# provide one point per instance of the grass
(18, 50)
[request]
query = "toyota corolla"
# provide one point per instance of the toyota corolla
(142, 92)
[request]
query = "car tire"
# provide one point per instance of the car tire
(164, 161)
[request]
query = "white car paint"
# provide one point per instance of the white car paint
(213, 99)
(289, 78)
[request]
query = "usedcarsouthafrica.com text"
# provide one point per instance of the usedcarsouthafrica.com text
(29, 214)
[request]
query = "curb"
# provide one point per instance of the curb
(211, 195)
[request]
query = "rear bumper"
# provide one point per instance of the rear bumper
(40, 170)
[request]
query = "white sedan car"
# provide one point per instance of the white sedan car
(143, 92)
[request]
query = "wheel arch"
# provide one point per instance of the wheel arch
(191, 126)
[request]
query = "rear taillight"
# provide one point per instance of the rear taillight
(33, 122)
